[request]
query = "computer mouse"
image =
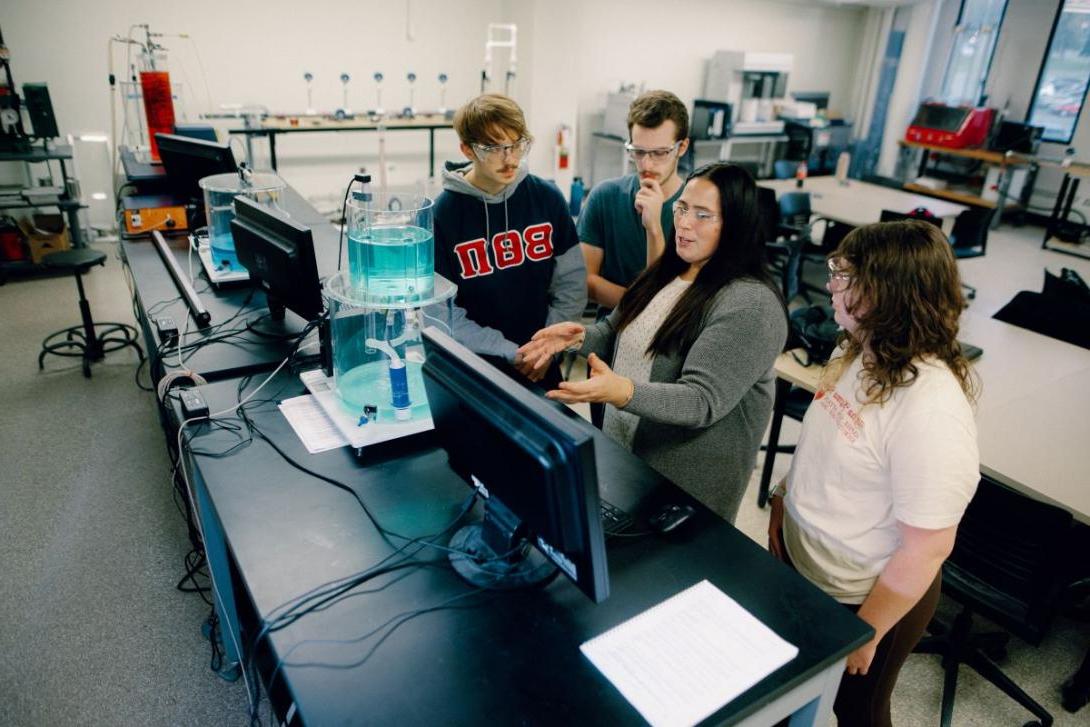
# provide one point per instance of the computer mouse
(671, 517)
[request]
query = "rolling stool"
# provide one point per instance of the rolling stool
(84, 341)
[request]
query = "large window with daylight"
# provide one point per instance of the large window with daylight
(1061, 85)
(971, 54)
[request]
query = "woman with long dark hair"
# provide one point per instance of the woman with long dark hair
(691, 346)
(887, 459)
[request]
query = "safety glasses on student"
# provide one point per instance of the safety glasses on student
(636, 154)
(494, 152)
(839, 276)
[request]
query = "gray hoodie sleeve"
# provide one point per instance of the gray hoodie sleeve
(568, 288)
(477, 338)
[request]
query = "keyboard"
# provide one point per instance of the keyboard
(614, 519)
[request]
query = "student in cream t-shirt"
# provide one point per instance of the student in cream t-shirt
(887, 460)
(860, 469)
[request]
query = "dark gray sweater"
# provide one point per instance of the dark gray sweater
(704, 411)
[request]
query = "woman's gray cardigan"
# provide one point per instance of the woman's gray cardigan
(704, 411)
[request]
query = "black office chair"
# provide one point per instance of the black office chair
(1008, 565)
(90, 341)
(795, 209)
(783, 243)
(834, 233)
(791, 401)
(891, 216)
(797, 214)
(813, 329)
(785, 168)
(969, 238)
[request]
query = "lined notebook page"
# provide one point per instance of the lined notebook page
(683, 659)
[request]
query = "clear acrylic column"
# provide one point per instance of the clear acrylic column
(220, 191)
(379, 306)
(391, 250)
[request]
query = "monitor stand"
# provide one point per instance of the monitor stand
(493, 554)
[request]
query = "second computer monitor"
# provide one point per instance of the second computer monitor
(187, 161)
(279, 253)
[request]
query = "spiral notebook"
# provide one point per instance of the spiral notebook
(682, 660)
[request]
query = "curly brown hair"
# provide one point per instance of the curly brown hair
(907, 301)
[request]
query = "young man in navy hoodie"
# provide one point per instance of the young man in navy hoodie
(505, 238)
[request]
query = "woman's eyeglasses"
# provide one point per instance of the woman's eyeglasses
(700, 216)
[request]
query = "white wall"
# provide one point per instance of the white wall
(256, 52)
(922, 22)
(942, 42)
(665, 45)
(570, 55)
(1019, 54)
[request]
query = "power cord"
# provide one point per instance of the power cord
(362, 179)
(250, 689)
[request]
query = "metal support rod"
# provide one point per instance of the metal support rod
(196, 309)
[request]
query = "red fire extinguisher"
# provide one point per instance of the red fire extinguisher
(563, 139)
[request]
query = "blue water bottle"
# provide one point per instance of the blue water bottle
(577, 190)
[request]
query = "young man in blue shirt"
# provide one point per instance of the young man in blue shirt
(627, 221)
(505, 238)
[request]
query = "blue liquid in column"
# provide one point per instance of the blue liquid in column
(371, 383)
(220, 241)
(393, 263)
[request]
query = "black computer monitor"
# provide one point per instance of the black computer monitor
(187, 161)
(279, 253)
(533, 464)
(40, 110)
(1016, 137)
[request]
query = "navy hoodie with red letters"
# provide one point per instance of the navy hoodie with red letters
(514, 257)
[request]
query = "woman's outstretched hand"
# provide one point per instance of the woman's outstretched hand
(602, 386)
